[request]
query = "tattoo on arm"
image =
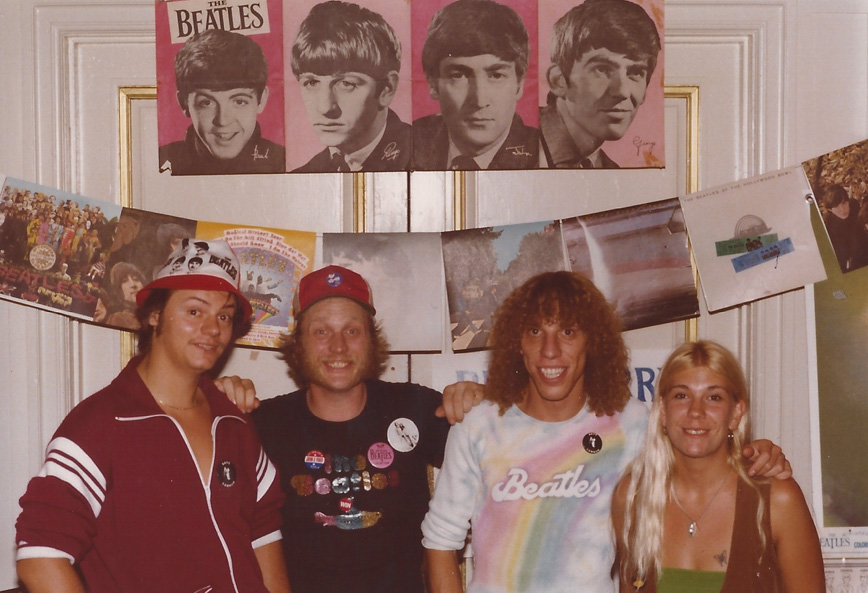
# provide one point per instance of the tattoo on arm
(721, 558)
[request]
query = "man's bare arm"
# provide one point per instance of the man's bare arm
(270, 559)
(49, 575)
(444, 575)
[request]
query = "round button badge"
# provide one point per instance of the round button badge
(403, 435)
(381, 455)
(227, 473)
(592, 443)
(314, 459)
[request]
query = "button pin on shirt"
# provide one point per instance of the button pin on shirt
(592, 443)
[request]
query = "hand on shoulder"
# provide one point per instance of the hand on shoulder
(240, 391)
(458, 399)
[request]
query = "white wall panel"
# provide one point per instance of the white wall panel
(832, 74)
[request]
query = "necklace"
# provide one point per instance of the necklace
(196, 401)
(691, 527)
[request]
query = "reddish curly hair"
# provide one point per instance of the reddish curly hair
(571, 300)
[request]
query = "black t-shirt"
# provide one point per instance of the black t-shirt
(356, 491)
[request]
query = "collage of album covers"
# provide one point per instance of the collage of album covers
(88, 259)
(269, 86)
(751, 239)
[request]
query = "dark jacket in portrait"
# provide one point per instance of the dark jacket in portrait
(845, 236)
(190, 156)
(520, 150)
(392, 153)
(559, 150)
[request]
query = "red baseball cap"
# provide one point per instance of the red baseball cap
(200, 265)
(332, 281)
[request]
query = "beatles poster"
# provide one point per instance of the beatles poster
(484, 265)
(840, 189)
(220, 87)
(837, 314)
(402, 86)
(140, 247)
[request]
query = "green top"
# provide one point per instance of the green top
(680, 580)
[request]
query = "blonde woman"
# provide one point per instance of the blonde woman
(687, 516)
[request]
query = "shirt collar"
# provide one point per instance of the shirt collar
(484, 159)
(356, 159)
(563, 150)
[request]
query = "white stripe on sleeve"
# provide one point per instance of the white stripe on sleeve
(68, 462)
(265, 475)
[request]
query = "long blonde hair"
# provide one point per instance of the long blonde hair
(651, 471)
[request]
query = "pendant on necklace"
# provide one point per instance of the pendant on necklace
(691, 529)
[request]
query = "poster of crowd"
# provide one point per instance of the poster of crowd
(400, 86)
(53, 247)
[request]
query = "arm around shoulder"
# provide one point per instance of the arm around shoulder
(796, 540)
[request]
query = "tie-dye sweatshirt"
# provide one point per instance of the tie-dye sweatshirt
(537, 495)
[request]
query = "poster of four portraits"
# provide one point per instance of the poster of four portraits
(267, 86)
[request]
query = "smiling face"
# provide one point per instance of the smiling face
(225, 120)
(698, 412)
(477, 97)
(347, 109)
(193, 329)
(337, 346)
(600, 97)
(555, 358)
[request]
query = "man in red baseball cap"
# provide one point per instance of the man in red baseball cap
(353, 451)
(157, 482)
